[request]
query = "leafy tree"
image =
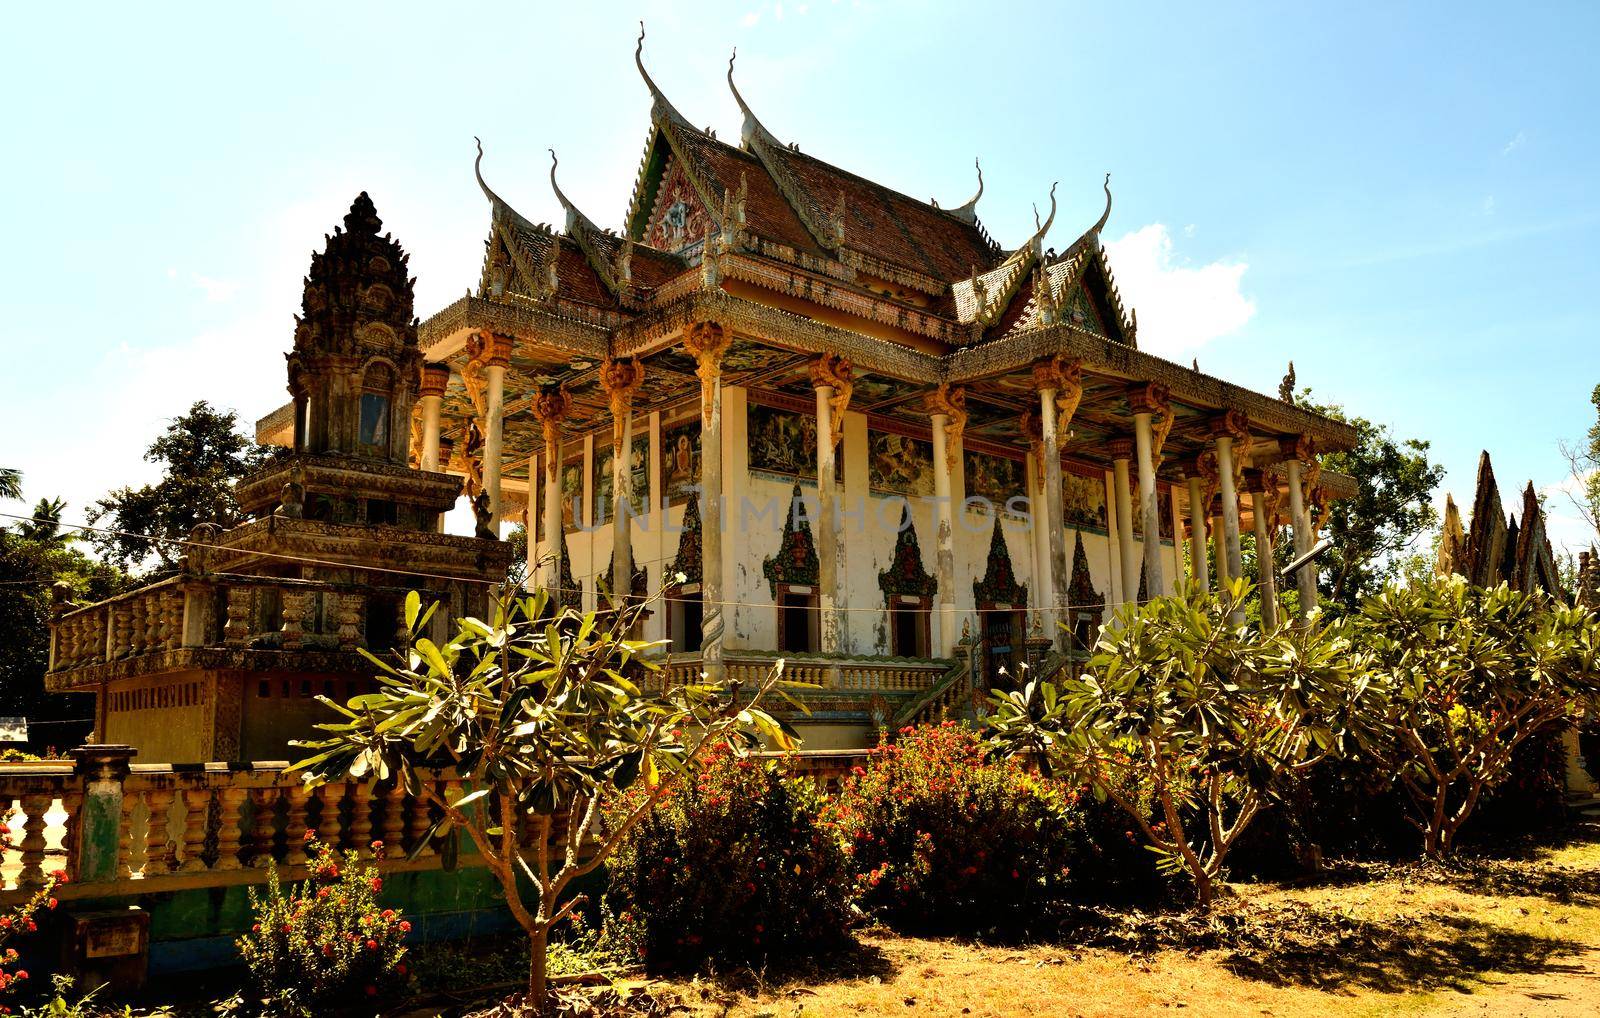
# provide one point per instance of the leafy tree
(1392, 508)
(201, 454)
(10, 482)
(1585, 462)
(1211, 716)
(35, 556)
(541, 720)
(1463, 676)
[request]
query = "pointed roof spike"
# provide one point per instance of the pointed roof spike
(661, 101)
(968, 212)
(1106, 215)
(752, 129)
(1036, 242)
(575, 216)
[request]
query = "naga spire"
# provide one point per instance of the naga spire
(968, 212)
(1036, 242)
(752, 129)
(477, 171)
(663, 105)
(1104, 216)
(575, 216)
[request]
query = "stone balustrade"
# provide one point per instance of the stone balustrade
(211, 619)
(852, 674)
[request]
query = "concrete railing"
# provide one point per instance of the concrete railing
(854, 674)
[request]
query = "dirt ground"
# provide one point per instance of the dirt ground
(1502, 938)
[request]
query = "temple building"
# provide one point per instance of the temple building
(223, 661)
(829, 421)
(1497, 549)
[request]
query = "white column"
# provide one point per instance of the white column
(1128, 552)
(1229, 491)
(707, 341)
(435, 377)
(1038, 513)
(1266, 582)
(1199, 568)
(551, 409)
(1149, 505)
(1306, 578)
(621, 378)
(1113, 544)
(494, 434)
(831, 595)
(945, 630)
(1053, 596)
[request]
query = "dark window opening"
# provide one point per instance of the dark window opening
(797, 620)
(685, 613)
(381, 512)
(908, 627)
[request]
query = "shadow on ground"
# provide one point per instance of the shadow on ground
(1302, 945)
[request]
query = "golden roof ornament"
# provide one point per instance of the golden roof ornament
(1286, 387)
(967, 211)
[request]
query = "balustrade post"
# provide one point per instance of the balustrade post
(97, 833)
(157, 854)
(361, 818)
(34, 806)
(236, 631)
(421, 820)
(294, 829)
(394, 819)
(263, 826)
(328, 826)
(230, 799)
(196, 805)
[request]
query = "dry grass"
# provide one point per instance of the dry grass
(1500, 938)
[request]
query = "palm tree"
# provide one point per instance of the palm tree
(10, 482)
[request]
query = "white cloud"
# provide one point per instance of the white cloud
(1565, 524)
(1181, 307)
(216, 290)
(750, 19)
(1516, 142)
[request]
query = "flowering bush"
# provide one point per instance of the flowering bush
(943, 839)
(326, 940)
(731, 867)
(20, 922)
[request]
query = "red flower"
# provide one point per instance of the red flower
(405, 927)
(372, 945)
(377, 885)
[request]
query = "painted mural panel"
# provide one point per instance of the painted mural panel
(680, 460)
(638, 466)
(994, 478)
(898, 465)
(571, 493)
(1083, 501)
(1163, 509)
(782, 442)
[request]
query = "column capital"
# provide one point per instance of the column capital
(1150, 398)
(552, 404)
(1258, 481)
(490, 349)
(1232, 424)
(435, 379)
(832, 370)
(1120, 448)
(1057, 373)
(706, 341)
(621, 376)
(1298, 447)
(951, 401)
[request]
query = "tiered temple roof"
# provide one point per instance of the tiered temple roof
(1496, 548)
(798, 257)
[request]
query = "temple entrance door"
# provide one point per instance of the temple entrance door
(1003, 628)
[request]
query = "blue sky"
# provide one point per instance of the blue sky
(1398, 197)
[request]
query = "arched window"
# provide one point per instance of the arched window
(377, 385)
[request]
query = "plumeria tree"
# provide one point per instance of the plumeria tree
(1209, 714)
(543, 718)
(1464, 676)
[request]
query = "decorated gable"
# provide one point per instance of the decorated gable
(678, 217)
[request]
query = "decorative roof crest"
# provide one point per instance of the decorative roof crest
(968, 212)
(663, 106)
(752, 129)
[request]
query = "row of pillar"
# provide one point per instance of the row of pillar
(1059, 385)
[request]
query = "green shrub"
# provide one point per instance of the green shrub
(942, 839)
(326, 941)
(732, 867)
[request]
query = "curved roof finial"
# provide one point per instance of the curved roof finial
(752, 129)
(1107, 213)
(661, 100)
(968, 212)
(1037, 240)
(495, 201)
(575, 216)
